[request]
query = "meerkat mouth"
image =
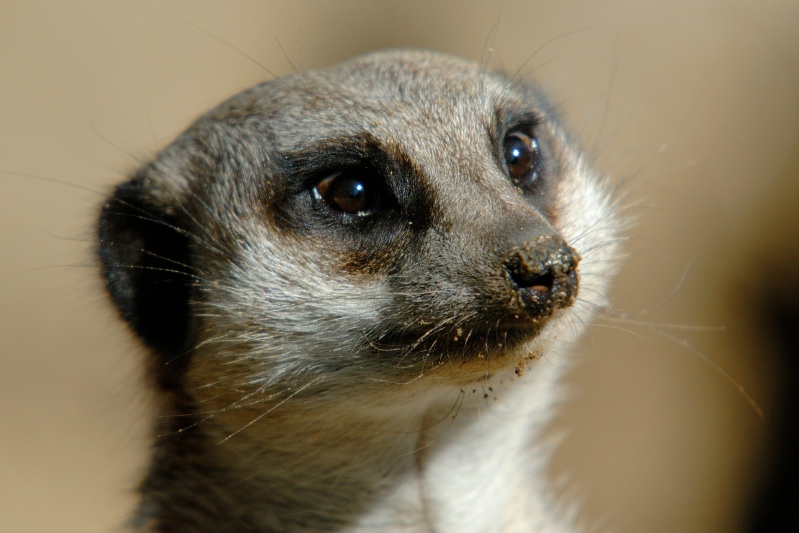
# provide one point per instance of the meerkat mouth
(505, 340)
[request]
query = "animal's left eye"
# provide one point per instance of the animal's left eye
(349, 193)
(522, 158)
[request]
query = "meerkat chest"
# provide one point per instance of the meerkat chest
(476, 466)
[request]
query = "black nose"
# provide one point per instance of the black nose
(543, 272)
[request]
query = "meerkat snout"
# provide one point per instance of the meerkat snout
(544, 272)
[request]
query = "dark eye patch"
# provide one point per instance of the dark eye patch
(356, 183)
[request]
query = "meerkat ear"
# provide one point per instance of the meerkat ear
(143, 252)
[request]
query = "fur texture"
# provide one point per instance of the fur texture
(356, 305)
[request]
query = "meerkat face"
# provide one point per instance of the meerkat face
(402, 216)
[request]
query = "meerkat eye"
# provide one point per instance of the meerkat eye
(349, 193)
(522, 158)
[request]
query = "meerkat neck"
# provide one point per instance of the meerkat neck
(364, 469)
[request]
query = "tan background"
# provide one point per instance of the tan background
(693, 104)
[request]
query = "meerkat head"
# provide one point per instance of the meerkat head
(402, 217)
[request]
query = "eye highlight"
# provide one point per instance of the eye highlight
(348, 192)
(522, 158)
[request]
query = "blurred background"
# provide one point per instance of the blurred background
(682, 400)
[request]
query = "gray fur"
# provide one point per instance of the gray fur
(353, 374)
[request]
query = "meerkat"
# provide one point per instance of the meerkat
(357, 287)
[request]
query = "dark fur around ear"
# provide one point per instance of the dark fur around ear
(143, 253)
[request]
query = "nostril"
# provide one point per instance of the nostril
(525, 279)
(544, 275)
(543, 283)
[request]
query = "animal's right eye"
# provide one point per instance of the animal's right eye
(522, 158)
(348, 192)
